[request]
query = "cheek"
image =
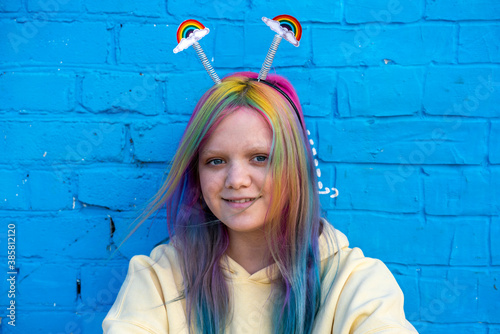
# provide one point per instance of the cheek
(267, 182)
(209, 184)
(268, 187)
(203, 177)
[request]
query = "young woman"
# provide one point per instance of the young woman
(249, 252)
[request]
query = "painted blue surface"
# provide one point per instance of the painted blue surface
(401, 97)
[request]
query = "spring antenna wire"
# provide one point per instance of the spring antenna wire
(206, 63)
(269, 57)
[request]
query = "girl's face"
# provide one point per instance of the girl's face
(233, 171)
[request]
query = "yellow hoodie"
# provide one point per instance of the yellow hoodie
(359, 294)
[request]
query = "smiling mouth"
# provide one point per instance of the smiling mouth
(244, 200)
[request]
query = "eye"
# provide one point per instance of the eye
(261, 158)
(215, 162)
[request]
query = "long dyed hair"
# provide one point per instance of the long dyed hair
(292, 222)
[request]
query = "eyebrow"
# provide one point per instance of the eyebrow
(253, 149)
(209, 152)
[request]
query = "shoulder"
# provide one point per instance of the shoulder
(162, 257)
(152, 283)
(165, 254)
(151, 293)
(361, 292)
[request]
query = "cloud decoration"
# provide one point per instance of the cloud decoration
(283, 30)
(193, 37)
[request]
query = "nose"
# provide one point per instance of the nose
(238, 176)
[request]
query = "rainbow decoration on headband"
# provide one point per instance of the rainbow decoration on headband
(291, 23)
(187, 28)
(285, 27)
(189, 33)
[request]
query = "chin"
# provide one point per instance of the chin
(242, 226)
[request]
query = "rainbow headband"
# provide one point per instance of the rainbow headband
(287, 27)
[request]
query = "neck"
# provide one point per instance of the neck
(249, 250)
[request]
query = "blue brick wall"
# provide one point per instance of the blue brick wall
(401, 97)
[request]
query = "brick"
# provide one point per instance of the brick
(368, 188)
(494, 244)
(495, 143)
(229, 49)
(14, 190)
(443, 292)
(317, 11)
(149, 234)
(135, 92)
(156, 142)
(431, 328)
(154, 8)
(62, 141)
(479, 43)
(117, 189)
(92, 320)
(462, 10)
(416, 142)
(35, 280)
(315, 88)
(72, 243)
(53, 7)
(28, 92)
(375, 44)
(54, 42)
(489, 297)
(383, 11)
(462, 91)
(342, 222)
(10, 6)
(453, 191)
(286, 55)
(211, 9)
(184, 90)
(154, 43)
(35, 190)
(382, 91)
(393, 238)
(469, 245)
(101, 284)
(49, 192)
